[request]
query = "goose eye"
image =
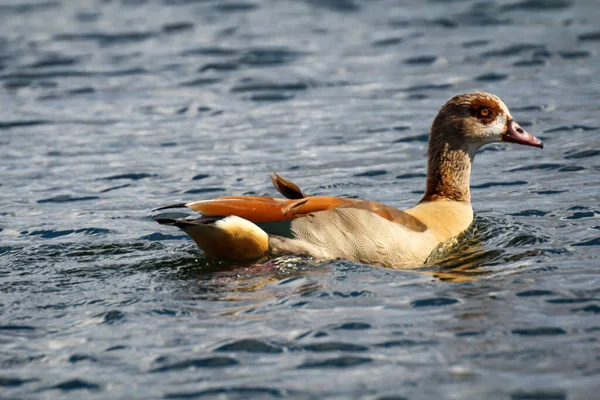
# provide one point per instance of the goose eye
(484, 112)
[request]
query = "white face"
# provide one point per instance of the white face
(493, 131)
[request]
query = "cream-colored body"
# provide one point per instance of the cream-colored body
(345, 233)
(363, 236)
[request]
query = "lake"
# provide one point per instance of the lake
(110, 109)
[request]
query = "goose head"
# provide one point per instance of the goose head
(464, 124)
(475, 119)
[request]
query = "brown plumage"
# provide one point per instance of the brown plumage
(332, 227)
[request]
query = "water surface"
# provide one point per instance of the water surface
(109, 109)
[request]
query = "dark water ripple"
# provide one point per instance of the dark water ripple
(110, 109)
(209, 362)
(75, 384)
(237, 393)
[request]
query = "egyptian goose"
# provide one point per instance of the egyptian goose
(252, 227)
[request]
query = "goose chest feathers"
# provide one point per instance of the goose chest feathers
(253, 227)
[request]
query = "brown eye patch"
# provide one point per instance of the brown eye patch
(485, 109)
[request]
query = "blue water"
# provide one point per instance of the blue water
(109, 109)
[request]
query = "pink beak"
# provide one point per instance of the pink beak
(515, 134)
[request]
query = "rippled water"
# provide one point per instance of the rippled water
(109, 109)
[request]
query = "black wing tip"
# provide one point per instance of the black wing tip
(177, 205)
(187, 222)
(165, 221)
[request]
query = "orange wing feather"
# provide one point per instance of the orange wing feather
(268, 209)
(253, 208)
(260, 209)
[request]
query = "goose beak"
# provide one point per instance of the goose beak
(515, 134)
